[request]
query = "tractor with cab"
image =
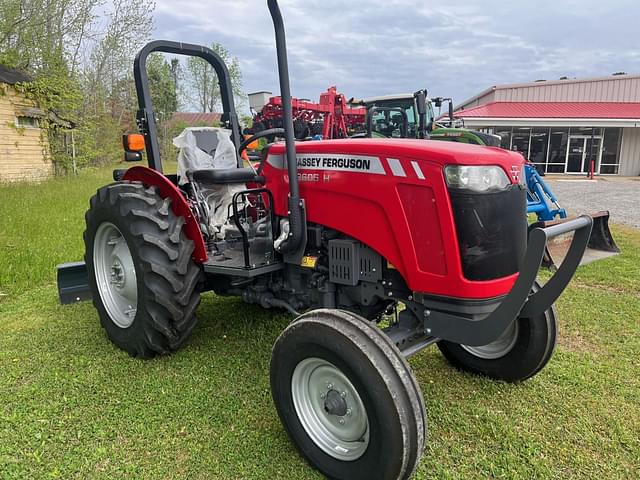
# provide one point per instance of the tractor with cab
(430, 237)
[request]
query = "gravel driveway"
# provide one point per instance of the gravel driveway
(620, 196)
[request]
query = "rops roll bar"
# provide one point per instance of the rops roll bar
(146, 118)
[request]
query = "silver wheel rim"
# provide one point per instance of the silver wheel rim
(115, 274)
(499, 347)
(330, 409)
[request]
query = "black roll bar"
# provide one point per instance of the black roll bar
(146, 118)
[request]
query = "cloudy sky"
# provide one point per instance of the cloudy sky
(454, 48)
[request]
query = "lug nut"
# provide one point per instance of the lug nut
(329, 386)
(343, 394)
(341, 421)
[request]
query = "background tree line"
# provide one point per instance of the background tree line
(80, 56)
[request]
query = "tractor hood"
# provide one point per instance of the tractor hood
(376, 150)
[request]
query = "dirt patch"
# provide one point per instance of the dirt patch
(574, 341)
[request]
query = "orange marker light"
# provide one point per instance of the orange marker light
(253, 145)
(134, 142)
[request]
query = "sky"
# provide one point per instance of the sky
(455, 48)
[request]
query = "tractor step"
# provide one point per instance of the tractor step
(233, 263)
(239, 270)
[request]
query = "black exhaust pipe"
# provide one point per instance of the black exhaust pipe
(295, 204)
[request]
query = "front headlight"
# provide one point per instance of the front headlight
(479, 178)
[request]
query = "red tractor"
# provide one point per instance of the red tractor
(339, 233)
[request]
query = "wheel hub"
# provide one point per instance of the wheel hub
(115, 274)
(499, 347)
(335, 404)
(330, 409)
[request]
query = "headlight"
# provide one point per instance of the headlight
(479, 178)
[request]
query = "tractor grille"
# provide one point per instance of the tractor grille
(492, 231)
(351, 262)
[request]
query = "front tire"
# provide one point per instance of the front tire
(519, 353)
(347, 397)
(143, 280)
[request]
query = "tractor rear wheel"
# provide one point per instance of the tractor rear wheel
(347, 397)
(143, 280)
(524, 348)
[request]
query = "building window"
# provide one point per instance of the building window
(538, 148)
(505, 134)
(610, 160)
(520, 140)
(27, 122)
(557, 149)
(588, 131)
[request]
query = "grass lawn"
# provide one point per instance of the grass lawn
(73, 406)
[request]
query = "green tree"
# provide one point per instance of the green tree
(202, 85)
(162, 84)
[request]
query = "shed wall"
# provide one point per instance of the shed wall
(630, 152)
(614, 89)
(24, 152)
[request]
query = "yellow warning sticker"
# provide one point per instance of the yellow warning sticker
(390, 265)
(309, 261)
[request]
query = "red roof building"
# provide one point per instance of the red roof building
(565, 125)
(195, 119)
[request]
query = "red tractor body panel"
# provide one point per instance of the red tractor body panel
(179, 205)
(391, 195)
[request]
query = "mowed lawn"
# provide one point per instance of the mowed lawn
(73, 406)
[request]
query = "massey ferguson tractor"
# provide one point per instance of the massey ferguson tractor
(430, 236)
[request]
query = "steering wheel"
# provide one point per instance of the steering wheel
(264, 133)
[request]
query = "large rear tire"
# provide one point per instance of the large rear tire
(347, 397)
(144, 283)
(519, 353)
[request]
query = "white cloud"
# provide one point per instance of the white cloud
(454, 48)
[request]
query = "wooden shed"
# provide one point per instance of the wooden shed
(24, 144)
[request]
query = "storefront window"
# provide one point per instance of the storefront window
(596, 132)
(505, 134)
(557, 150)
(520, 140)
(610, 151)
(538, 148)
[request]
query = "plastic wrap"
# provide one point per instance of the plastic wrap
(192, 157)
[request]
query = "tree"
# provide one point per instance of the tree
(203, 89)
(162, 84)
(79, 53)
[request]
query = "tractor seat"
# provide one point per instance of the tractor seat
(226, 175)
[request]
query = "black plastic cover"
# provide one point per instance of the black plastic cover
(224, 175)
(492, 231)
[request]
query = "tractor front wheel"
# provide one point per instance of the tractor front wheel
(522, 350)
(143, 281)
(347, 397)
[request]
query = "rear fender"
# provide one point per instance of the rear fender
(179, 205)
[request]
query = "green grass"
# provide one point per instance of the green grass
(74, 406)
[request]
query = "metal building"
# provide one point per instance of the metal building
(565, 126)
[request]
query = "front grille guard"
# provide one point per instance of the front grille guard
(519, 302)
